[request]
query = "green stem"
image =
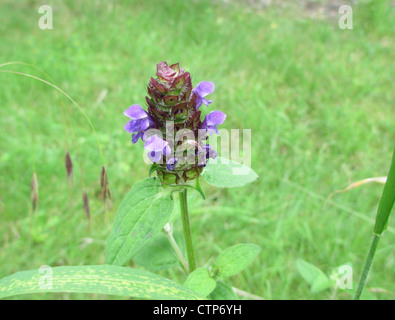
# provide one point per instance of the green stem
(368, 264)
(187, 229)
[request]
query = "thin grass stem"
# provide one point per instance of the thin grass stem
(368, 264)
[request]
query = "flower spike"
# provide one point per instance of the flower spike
(174, 103)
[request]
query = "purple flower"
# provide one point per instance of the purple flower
(157, 147)
(210, 152)
(203, 89)
(140, 121)
(204, 153)
(211, 121)
(171, 163)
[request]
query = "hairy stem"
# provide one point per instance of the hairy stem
(187, 229)
(368, 264)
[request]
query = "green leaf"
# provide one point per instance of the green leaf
(199, 281)
(314, 276)
(236, 258)
(387, 201)
(140, 217)
(227, 173)
(157, 255)
(103, 279)
(223, 292)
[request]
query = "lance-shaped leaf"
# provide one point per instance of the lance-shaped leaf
(387, 201)
(102, 279)
(224, 173)
(236, 258)
(140, 217)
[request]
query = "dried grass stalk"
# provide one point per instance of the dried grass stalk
(34, 192)
(69, 167)
(104, 184)
(86, 205)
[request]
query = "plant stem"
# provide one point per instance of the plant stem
(184, 263)
(187, 229)
(368, 264)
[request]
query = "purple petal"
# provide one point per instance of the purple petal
(210, 152)
(205, 152)
(212, 129)
(199, 102)
(155, 156)
(171, 163)
(204, 88)
(154, 143)
(172, 160)
(215, 118)
(145, 124)
(133, 126)
(128, 127)
(167, 149)
(136, 136)
(135, 112)
(206, 102)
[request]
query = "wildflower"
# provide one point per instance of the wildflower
(172, 99)
(156, 148)
(211, 121)
(140, 121)
(204, 153)
(203, 89)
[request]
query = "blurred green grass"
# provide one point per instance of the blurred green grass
(319, 101)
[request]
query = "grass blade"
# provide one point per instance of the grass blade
(387, 201)
(383, 213)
